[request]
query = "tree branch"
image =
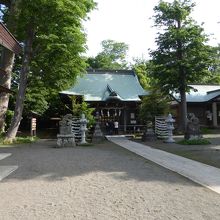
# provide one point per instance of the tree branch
(5, 2)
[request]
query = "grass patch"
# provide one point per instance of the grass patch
(162, 137)
(206, 130)
(86, 145)
(136, 137)
(19, 140)
(194, 142)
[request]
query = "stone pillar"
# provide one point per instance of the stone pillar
(214, 114)
(83, 128)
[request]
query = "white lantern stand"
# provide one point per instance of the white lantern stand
(169, 120)
(83, 128)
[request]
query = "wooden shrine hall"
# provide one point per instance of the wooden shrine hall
(115, 94)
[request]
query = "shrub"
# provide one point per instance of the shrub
(8, 117)
(194, 142)
(206, 131)
(19, 140)
(83, 107)
(153, 105)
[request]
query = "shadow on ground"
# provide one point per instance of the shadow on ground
(42, 160)
(208, 154)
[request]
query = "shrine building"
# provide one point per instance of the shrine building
(204, 102)
(115, 94)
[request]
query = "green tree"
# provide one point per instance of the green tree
(155, 104)
(53, 43)
(112, 56)
(82, 108)
(181, 55)
(143, 68)
(214, 76)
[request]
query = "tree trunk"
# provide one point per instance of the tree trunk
(12, 131)
(5, 80)
(183, 112)
(7, 62)
(182, 83)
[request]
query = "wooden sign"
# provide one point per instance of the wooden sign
(33, 126)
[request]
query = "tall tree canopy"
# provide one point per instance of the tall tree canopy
(54, 40)
(156, 103)
(182, 54)
(57, 54)
(143, 68)
(112, 56)
(214, 69)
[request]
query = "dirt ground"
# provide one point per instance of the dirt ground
(97, 182)
(208, 154)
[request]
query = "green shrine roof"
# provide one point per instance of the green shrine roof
(99, 85)
(201, 93)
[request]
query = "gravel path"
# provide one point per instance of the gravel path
(100, 182)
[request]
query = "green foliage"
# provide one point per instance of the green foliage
(182, 55)
(194, 142)
(9, 115)
(205, 130)
(142, 69)
(79, 108)
(59, 43)
(86, 145)
(155, 104)
(112, 57)
(19, 140)
(36, 100)
(214, 69)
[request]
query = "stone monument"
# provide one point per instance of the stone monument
(192, 128)
(149, 134)
(66, 136)
(97, 135)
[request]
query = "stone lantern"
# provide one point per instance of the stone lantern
(83, 128)
(169, 120)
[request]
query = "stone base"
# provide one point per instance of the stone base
(169, 140)
(193, 136)
(67, 140)
(98, 139)
(149, 135)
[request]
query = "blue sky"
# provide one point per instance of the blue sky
(129, 21)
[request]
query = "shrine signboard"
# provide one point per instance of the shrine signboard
(33, 126)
